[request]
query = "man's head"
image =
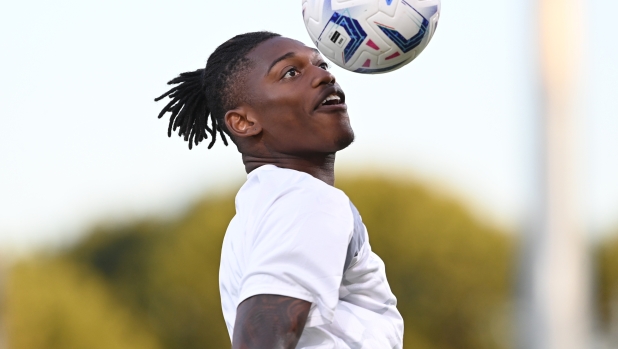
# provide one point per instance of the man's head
(267, 93)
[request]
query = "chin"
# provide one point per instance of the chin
(345, 140)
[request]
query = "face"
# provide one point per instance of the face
(295, 100)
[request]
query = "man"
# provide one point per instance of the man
(296, 268)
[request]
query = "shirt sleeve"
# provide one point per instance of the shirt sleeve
(298, 250)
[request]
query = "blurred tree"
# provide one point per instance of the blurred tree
(53, 304)
(184, 283)
(451, 274)
(167, 272)
(122, 256)
(606, 267)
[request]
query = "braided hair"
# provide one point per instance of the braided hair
(210, 92)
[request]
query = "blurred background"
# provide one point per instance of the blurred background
(110, 232)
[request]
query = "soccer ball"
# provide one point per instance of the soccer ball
(371, 36)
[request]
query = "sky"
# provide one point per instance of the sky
(80, 142)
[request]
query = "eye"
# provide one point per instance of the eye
(324, 66)
(292, 72)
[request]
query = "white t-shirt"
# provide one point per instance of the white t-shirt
(294, 235)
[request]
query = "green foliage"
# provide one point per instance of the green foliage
(168, 273)
(122, 256)
(52, 304)
(184, 284)
(606, 267)
(451, 275)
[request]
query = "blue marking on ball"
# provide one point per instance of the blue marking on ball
(404, 44)
(354, 30)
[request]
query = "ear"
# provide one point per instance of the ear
(241, 122)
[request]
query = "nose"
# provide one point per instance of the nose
(322, 77)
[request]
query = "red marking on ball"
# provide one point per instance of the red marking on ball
(396, 54)
(372, 45)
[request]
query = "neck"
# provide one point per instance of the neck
(321, 166)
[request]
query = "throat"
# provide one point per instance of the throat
(321, 167)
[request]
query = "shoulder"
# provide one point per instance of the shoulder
(283, 201)
(298, 189)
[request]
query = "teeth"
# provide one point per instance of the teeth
(331, 98)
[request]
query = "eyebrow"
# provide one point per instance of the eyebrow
(286, 56)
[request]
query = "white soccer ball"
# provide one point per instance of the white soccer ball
(371, 36)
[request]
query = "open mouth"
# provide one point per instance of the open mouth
(332, 99)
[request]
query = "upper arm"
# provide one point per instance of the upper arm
(269, 322)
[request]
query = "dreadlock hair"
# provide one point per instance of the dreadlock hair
(209, 92)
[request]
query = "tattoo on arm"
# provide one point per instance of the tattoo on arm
(269, 322)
